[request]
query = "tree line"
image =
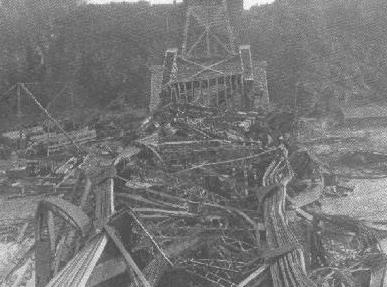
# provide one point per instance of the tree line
(105, 51)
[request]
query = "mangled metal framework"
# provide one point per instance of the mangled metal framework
(195, 194)
(204, 212)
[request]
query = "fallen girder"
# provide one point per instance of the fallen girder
(288, 269)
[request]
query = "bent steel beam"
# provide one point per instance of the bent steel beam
(70, 212)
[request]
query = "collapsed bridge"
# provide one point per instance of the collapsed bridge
(205, 194)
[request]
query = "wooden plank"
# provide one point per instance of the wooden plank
(128, 258)
(156, 202)
(253, 275)
(111, 196)
(139, 198)
(301, 212)
(171, 212)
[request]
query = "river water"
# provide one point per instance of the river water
(368, 200)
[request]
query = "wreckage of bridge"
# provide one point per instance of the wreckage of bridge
(210, 191)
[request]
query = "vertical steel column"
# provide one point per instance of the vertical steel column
(208, 93)
(201, 92)
(186, 93)
(18, 92)
(225, 91)
(217, 91)
(179, 92)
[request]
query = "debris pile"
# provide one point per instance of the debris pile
(204, 198)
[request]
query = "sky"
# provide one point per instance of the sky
(248, 3)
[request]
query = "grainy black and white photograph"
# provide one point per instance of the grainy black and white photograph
(193, 143)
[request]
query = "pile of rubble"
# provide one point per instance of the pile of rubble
(200, 198)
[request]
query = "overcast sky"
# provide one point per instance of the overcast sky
(248, 3)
